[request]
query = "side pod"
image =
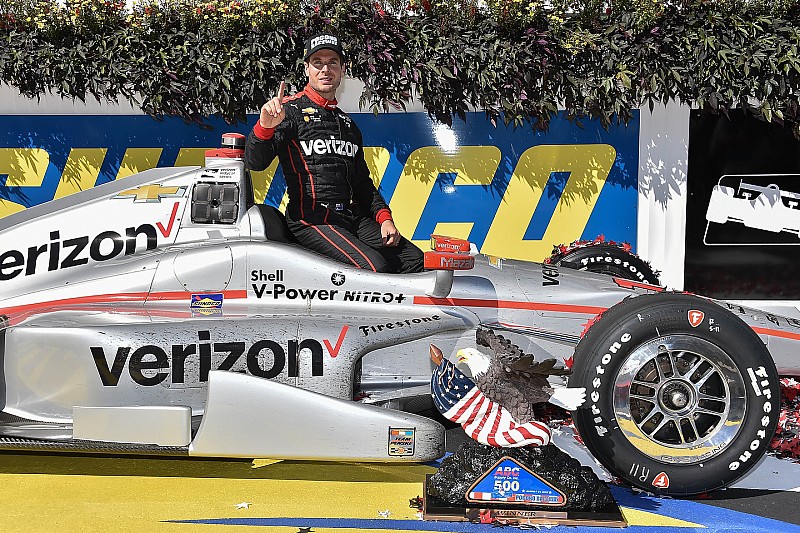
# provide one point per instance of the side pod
(246, 416)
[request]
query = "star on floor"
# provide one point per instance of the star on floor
(243, 505)
(384, 514)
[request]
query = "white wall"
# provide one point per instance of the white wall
(663, 156)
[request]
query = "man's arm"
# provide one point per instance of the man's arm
(366, 195)
(268, 135)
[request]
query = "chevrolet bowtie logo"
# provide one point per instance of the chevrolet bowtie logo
(151, 193)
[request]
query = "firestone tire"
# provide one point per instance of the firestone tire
(609, 259)
(682, 396)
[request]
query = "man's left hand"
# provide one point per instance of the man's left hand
(389, 233)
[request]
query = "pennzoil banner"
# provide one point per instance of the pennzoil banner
(743, 208)
(513, 192)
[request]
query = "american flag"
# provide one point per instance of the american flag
(487, 422)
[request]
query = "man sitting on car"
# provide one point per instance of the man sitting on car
(334, 207)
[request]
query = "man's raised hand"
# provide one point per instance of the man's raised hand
(272, 112)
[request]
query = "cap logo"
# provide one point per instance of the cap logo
(324, 39)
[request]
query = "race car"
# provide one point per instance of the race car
(167, 313)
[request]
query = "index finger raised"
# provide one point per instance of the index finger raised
(280, 91)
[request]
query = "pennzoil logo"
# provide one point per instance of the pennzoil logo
(151, 193)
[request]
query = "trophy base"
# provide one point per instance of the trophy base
(517, 514)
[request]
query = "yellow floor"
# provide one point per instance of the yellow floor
(89, 493)
(57, 493)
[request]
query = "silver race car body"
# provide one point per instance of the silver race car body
(153, 315)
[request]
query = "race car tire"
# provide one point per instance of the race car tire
(610, 259)
(682, 397)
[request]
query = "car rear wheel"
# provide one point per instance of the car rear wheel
(606, 258)
(682, 396)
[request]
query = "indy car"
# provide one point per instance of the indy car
(764, 208)
(167, 313)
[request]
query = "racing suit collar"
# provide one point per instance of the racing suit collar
(319, 99)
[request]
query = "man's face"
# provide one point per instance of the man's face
(324, 70)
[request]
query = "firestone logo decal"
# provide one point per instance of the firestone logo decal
(696, 317)
(661, 481)
(411, 322)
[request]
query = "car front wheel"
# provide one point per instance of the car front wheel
(682, 396)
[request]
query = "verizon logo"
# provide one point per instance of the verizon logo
(329, 146)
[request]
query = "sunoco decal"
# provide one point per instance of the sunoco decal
(206, 301)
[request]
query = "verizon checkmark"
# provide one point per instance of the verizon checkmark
(166, 231)
(334, 350)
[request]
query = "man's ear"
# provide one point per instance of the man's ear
(305, 67)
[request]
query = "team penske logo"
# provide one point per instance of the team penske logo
(329, 146)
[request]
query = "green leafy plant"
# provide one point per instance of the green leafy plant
(519, 61)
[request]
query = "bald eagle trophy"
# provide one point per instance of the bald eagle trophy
(509, 466)
(496, 406)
